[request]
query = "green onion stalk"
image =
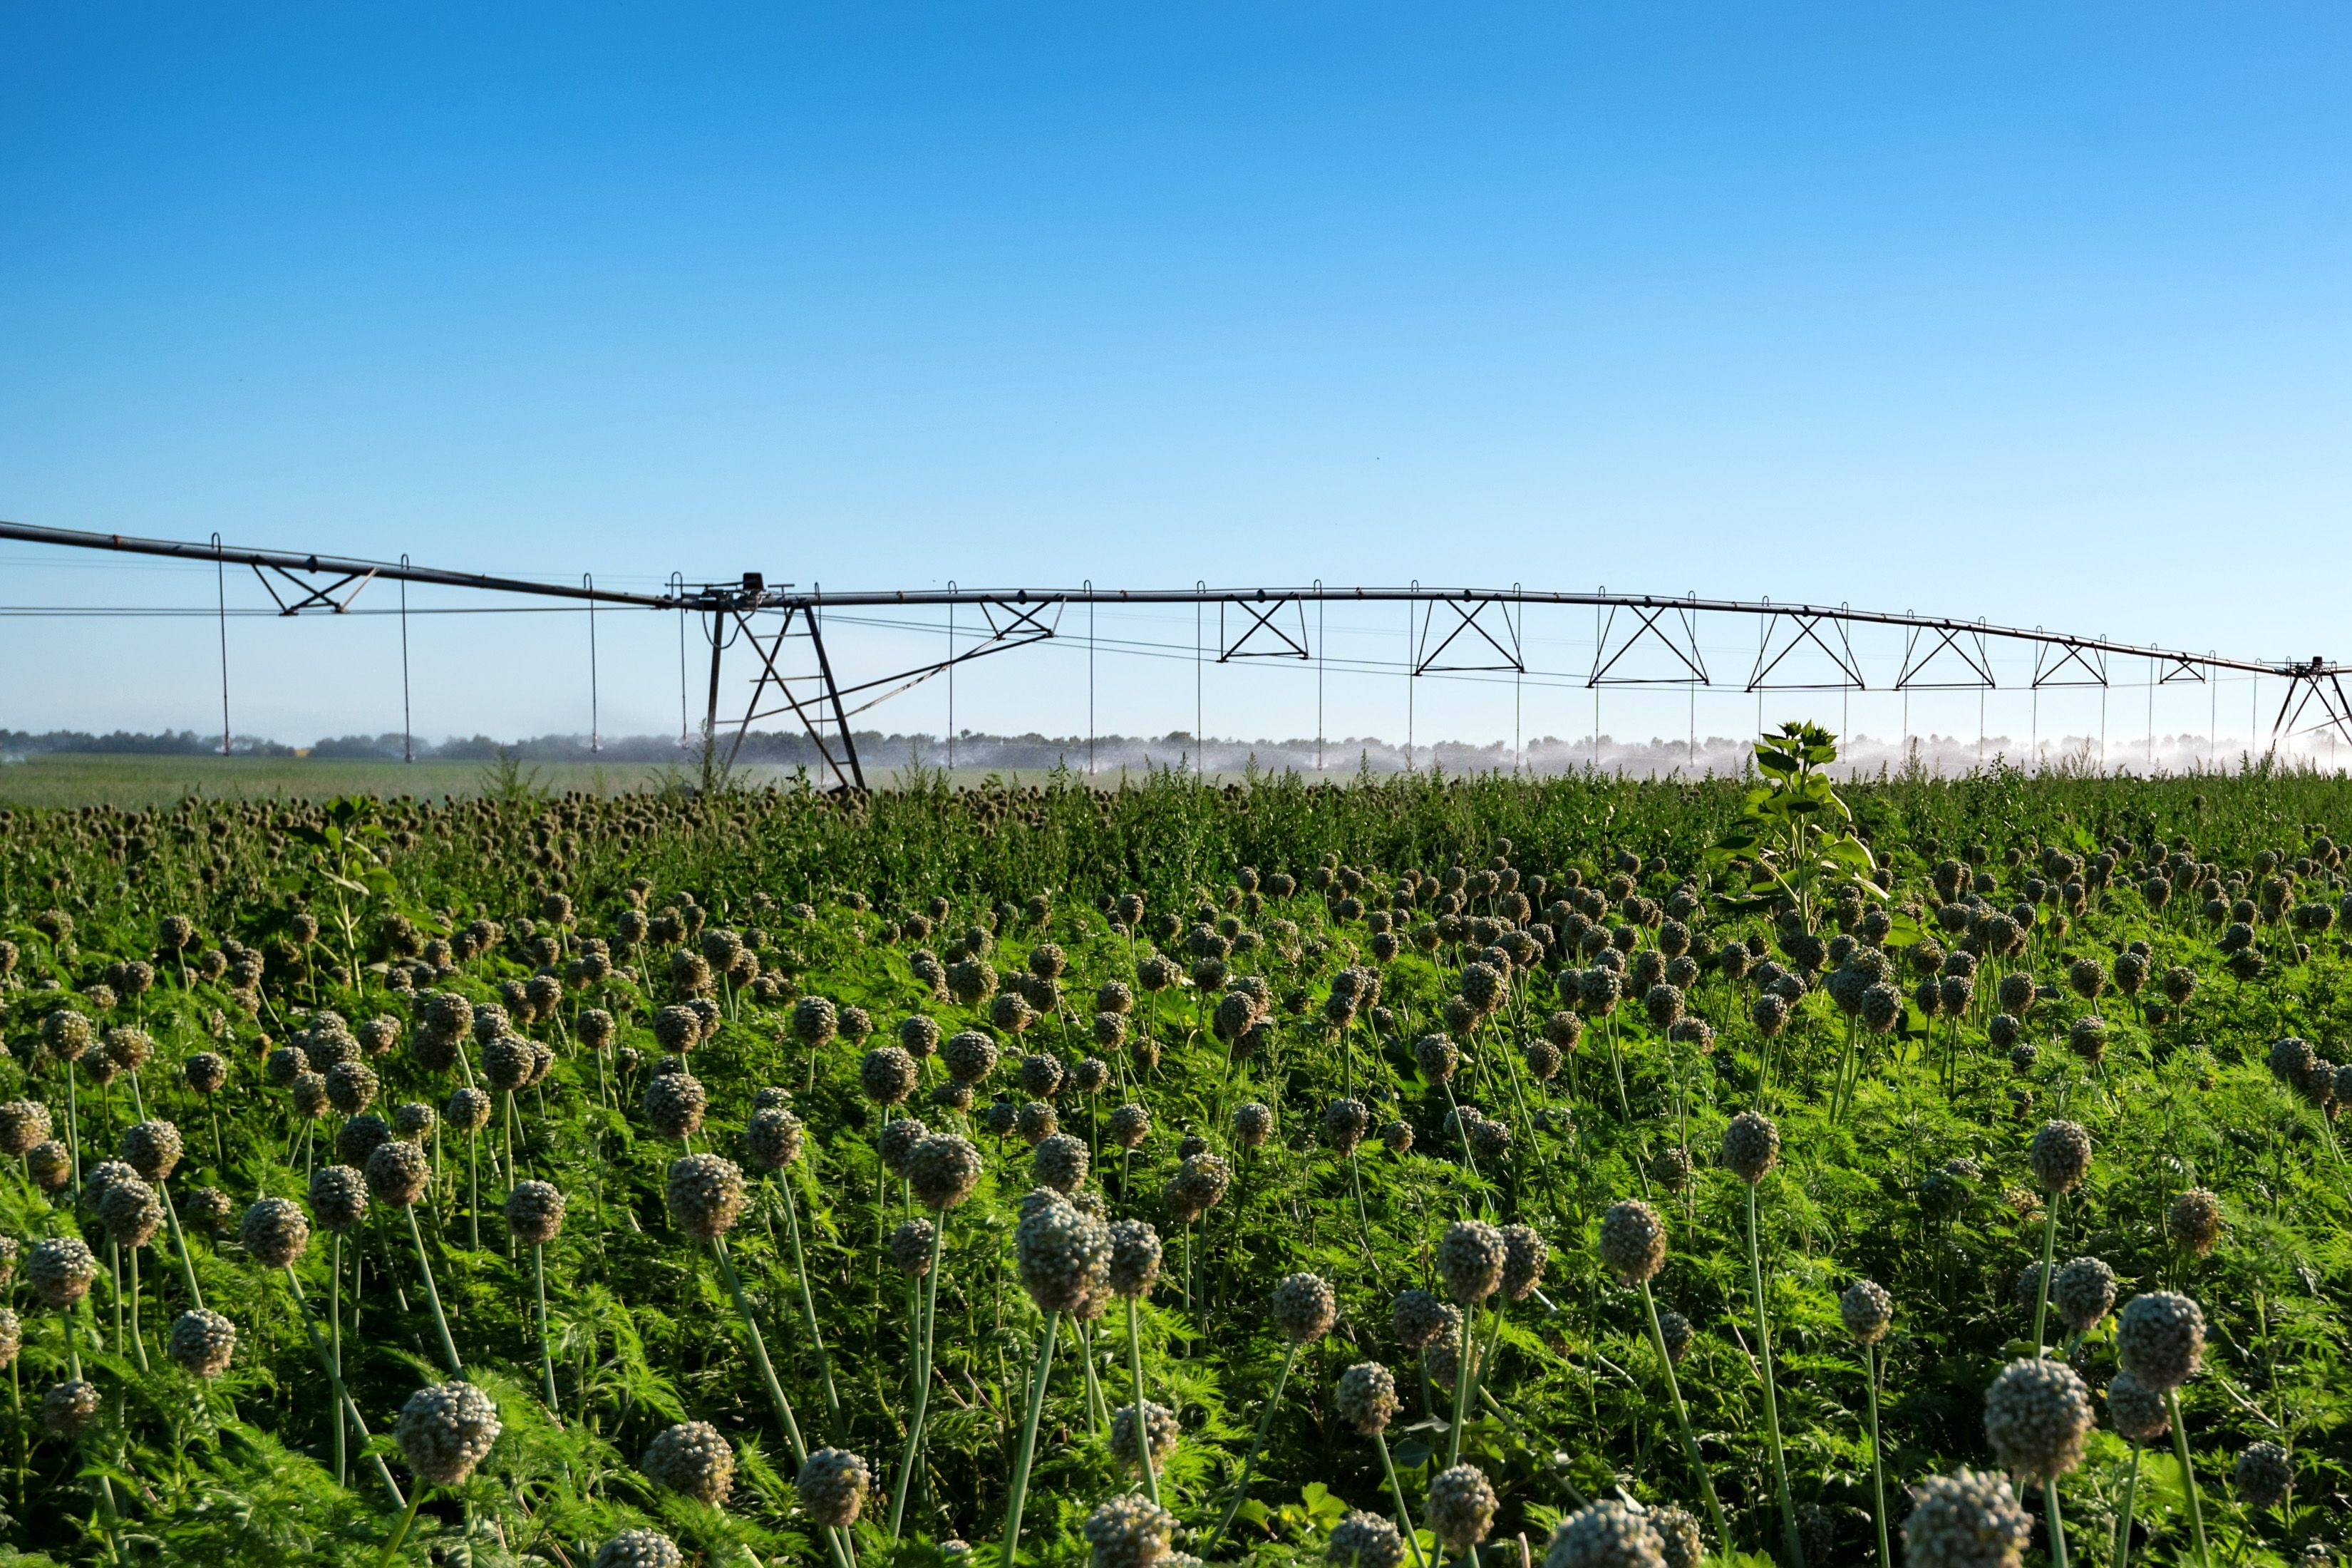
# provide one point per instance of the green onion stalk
(926, 1309)
(546, 1352)
(433, 1294)
(114, 1280)
(1838, 1080)
(1029, 1437)
(1570, 1494)
(1682, 1417)
(808, 1304)
(105, 1486)
(473, 1190)
(2119, 1555)
(335, 1346)
(347, 1409)
(1404, 1520)
(1249, 1461)
(768, 1377)
(2189, 1476)
(1878, 1460)
(1771, 1398)
(1462, 1131)
(1364, 1218)
(1097, 1409)
(180, 1246)
(1617, 1066)
(73, 1127)
(507, 1127)
(2049, 1256)
(407, 1518)
(2057, 1526)
(138, 1340)
(1143, 1427)
(1464, 1359)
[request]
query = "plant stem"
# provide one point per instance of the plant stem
(833, 1538)
(335, 1341)
(138, 1340)
(513, 1175)
(180, 1246)
(2049, 1255)
(433, 1294)
(2188, 1477)
(2057, 1525)
(926, 1305)
(1363, 1220)
(1405, 1518)
(1097, 1410)
(1617, 1066)
(2121, 1556)
(335, 1379)
(73, 1127)
(1462, 1131)
(759, 1351)
(1464, 1360)
(1264, 1424)
(1485, 1364)
(1877, 1458)
(1142, 1428)
(1029, 1437)
(1771, 1399)
(1569, 1489)
(406, 1519)
(546, 1354)
(1682, 1417)
(808, 1305)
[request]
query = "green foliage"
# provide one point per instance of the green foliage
(823, 890)
(1794, 833)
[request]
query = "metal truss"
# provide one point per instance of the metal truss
(1801, 628)
(1262, 613)
(1500, 639)
(308, 593)
(2067, 662)
(2315, 683)
(2178, 668)
(1669, 623)
(825, 712)
(1963, 642)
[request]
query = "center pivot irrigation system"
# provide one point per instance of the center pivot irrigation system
(1640, 639)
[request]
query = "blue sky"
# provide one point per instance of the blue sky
(2034, 311)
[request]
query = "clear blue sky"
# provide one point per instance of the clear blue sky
(2038, 311)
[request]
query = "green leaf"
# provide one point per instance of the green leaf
(1903, 932)
(1848, 853)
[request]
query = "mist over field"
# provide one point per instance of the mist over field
(884, 754)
